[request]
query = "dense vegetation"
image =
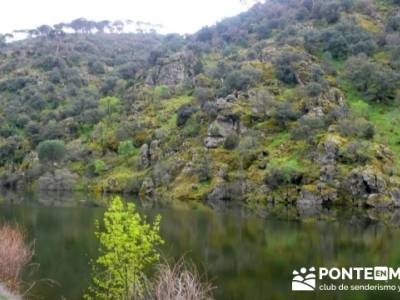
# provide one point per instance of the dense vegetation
(293, 102)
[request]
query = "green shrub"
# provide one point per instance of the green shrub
(192, 127)
(184, 114)
(51, 151)
(282, 176)
(126, 148)
(355, 152)
(376, 81)
(231, 141)
(285, 67)
(99, 166)
(128, 245)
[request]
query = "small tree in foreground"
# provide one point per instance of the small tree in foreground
(127, 247)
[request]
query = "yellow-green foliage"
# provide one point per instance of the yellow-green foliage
(128, 245)
(117, 179)
(367, 23)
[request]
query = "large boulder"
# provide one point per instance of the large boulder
(148, 189)
(220, 129)
(144, 157)
(385, 200)
(173, 69)
(155, 151)
(395, 196)
(317, 194)
(59, 180)
(380, 200)
(363, 182)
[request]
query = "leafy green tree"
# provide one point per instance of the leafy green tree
(184, 113)
(242, 79)
(126, 148)
(51, 151)
(284, 113)
(99, 166)
(285, 67)
(262, 103)
(376, 81)
(330, 11)
(128, 245)
(110, 105)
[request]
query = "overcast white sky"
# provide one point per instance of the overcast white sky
(181, 16)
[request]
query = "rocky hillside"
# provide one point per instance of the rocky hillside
(293, 102)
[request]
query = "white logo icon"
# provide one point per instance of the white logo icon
(381, 273)
(303, 280)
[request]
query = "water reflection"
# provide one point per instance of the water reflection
(250, 253)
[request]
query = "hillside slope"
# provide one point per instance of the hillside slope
(290, 102)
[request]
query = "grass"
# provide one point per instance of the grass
(385, 118)
(15, 254)
(367, 23)
(181, 281)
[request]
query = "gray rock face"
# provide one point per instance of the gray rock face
(327, 173)
(144, 157)
(383, 153)
(217, 194)
(172, 73)
(155, 151)
(395, 220)
(225, 191)
(308, 198)
(147, 188)
(385, 200)
(213, 141)
(173, 70)
(328, 151)
(395, 196)
(363, 182)
(317, 196)
(379, 201)
(60, 180)
(222, 127)
(149, 155)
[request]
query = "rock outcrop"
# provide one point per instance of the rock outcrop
(226, 123)
(59, 180)
(147, 189)
(174, 69)
(144, 157)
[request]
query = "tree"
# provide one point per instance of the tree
(110, 105)
(126, 148)
(262, 103)
(128, 245)
(242, 79)
(119, 26)
(330, 11)
(285, 67)
(184, 113)
(284, 113)
(377, 82)
(51, 151)
(99, 166)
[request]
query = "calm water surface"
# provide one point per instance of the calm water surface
(247, 256)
